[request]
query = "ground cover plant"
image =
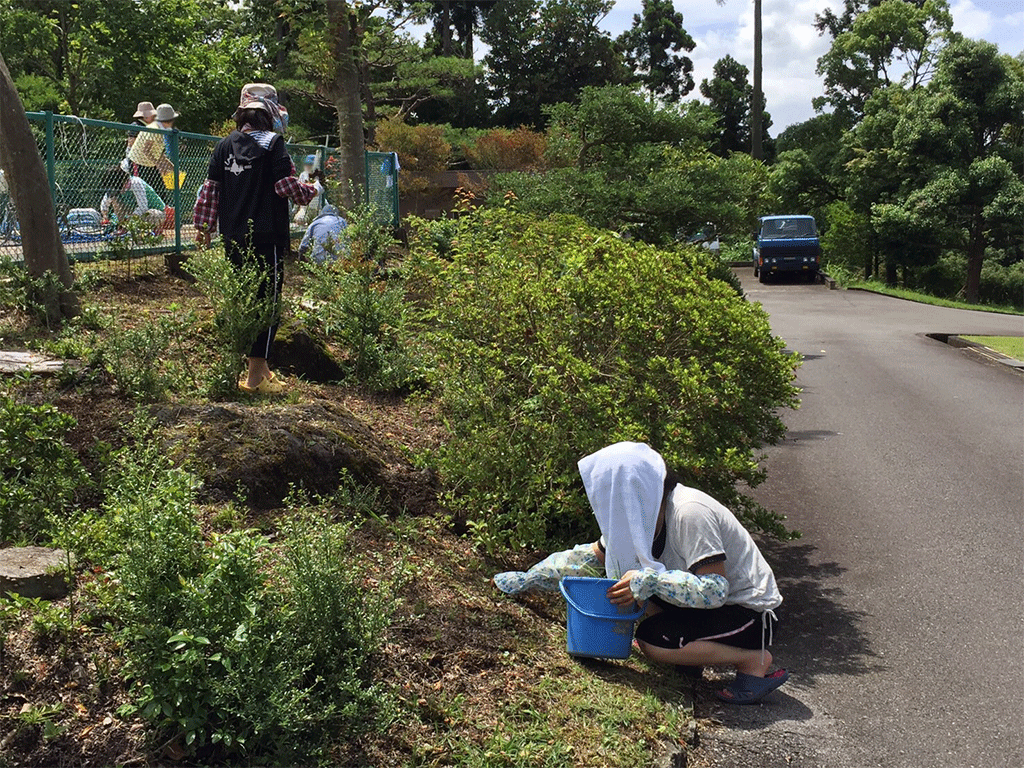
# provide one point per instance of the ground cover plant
(344, 629)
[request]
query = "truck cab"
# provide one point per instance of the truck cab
(786, 245)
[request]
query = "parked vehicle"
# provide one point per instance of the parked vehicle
(786, 245)
(707, 237)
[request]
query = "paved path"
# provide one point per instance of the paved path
(904, 469)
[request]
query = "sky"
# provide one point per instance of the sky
(791, 46)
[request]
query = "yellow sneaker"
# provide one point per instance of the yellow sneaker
(268, 386)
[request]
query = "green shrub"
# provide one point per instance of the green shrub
(550, 339)
(1002, 284)
(39, 474)
(140, 358)
(846, 240)
(360, 305)
(238, 649)
(239, 314)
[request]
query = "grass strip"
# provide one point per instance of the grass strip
(1011, 346)
(924, 298)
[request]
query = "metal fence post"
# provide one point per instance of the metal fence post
(176, 198)
(51, 166)
(366, 175)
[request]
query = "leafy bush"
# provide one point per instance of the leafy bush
(39, 473)
(1002, 284)
(239, 314)
(846, 240)
(551, 339)
(139, 357)
(503, 150)
(652, 195)
(234, 648)
(422, 152)
(359, 305)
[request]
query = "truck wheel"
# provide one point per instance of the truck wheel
(763, 277)
(811, 276)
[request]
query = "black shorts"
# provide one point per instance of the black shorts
(731, 625)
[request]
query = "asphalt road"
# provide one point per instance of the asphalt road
(903, 620)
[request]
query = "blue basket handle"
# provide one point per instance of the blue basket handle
(641, 607)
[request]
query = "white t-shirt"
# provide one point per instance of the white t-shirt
(698, 528)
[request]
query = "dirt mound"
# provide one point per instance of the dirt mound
(263, 450)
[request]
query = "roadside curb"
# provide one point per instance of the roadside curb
(980, 349)
(828, 280)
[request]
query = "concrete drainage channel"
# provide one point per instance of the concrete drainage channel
(978, 349)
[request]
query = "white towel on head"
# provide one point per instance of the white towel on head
(624, 484)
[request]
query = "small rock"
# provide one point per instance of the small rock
(33, 572)
(16, 362)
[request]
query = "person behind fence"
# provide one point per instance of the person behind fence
(711, 596)
(145, 113)
(127, 197)
(249, 182)
(149, 152)
(325, 239)
(314, 176)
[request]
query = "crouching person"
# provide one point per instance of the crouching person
(711, 596)
(325, 238)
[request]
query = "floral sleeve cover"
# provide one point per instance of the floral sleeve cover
(578, 561)
(681, 588)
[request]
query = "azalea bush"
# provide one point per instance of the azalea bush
(549, 339)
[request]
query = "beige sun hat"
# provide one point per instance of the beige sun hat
(256, 95)
(145, 110)
(165, 113)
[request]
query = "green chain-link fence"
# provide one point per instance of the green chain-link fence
(85, 162)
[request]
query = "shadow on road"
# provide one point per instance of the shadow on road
(818, 635)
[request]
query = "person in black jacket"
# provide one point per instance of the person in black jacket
(249, 182)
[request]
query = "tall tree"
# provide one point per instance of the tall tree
(41, 245)
(455, 25)
(934, 165)
(873, 46)
(652, 50)
(543, 52)
(98, 58)
(731, 96)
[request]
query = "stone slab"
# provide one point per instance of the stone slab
(33, 572)
(16, 362)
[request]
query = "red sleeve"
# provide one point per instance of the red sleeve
(207, 206)
(292, 188)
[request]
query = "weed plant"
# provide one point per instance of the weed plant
(550, 339)
(39, 473)
(362, 307)
(21, 291)
(235, 648)
(147, 360)
(239, 312)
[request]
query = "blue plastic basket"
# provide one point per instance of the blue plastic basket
(596, 627)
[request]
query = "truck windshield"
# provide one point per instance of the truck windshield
(788, 228)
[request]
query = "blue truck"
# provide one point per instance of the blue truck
(786, 245)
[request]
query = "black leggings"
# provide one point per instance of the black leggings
(270, 258)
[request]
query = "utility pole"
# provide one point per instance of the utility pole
(757, 108)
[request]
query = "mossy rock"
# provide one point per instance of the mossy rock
(261, 451)
(298, 352)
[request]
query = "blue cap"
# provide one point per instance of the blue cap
(310, 160)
